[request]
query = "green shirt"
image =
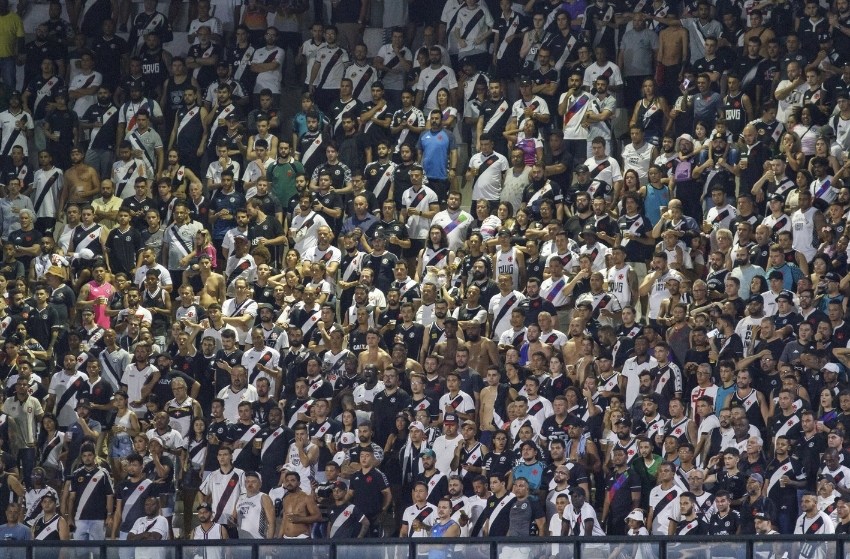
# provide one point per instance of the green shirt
(282, 179)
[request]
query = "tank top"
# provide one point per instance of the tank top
(123, 421)
(153, 66)
(306, 472)
(435, 336)
(736, 116)
(189, 130)
(251, 518)
(174, 95)
(197, 453)
(655, 198)
(46, 530)
(618, 285)
(506, 264)
(651, 117)
(103, 290)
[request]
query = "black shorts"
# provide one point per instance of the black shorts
(415, 246)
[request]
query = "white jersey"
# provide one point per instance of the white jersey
(417, 226)
(804, 238)
(426, 515)
(135, 379)
(638, 159)
(362, 78)
(431, 80)
(224, 490)
(331, 61)
(658, 292)
(501, 308)
(214, 533)
(12, 136)
(269, 79)
(124, 175)
(552, 289)
(455, 228)
(506, 264)
(663, 515)
(577, 108)
(47, 184)
(295, 465)
(80, 81)
(306, 230)
(618, 285)
(251, 519)
(269, 357)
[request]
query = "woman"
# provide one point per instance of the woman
(807, 131)
(193, 467)
(348, 420)
(436, 254)
(631, 183)
(181, 177)
(448, 114)
(724, 244)
(521, 223)
(827, 410)
(651, 113)
(609, 436)
(485, 223)
(791, 151)
(203, 245)
(822, 150)
(821, 265)
(50, 450)
(125, 426)
(758, 285)
(526, 140)
(500, 459)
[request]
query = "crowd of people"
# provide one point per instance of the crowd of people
(227, 317)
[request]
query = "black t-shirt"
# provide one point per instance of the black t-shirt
(368, 490)
(123, 249)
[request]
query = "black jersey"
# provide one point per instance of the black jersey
(91, 487)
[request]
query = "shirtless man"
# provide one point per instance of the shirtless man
(570, 351)
(299, 510)
(487, 422)
(483, 352)
(373, 355)
(672, 54)
(81, 181)
(212, 283)
(448, 348)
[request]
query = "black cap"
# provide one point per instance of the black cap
(525, 81)
(605, 354)
(832, 276)
(450, 418)
(756, 299)
(204, 505)
(588, 230)
(83, 403)
(61, 92)
(786, 295)
(232, 116)
(777, 198)
(623, 421)
(582, 168)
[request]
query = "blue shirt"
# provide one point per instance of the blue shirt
(17, 532)
(532, 472)
(436, 147)
(232, 201)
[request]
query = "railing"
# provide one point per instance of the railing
(646, 547)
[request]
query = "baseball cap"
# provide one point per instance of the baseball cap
(832, 276)
(83, 403)
(417, 425)
(204, 505)
(450, 418)
(831, 367)
(346, 439)
(786, 295)
(636, 514)
(428, 452)
(756, 299)
(777, 198)
(757, 477)
(340, 485)
(685, 137)
(582, 169)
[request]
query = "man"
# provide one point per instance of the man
(25, 412)
(432, 78)
(438, 154)
(813, 521)
(369, 490)
(575, 107)
(690, 523)
(223, 487)
(132, 495)
(190, 126)
(16, 125)
(664, 502)
(255, 516)
(327, 72)
(150, 527)
(525, 514)
(487, 169)
(89, 506)
(50, 526)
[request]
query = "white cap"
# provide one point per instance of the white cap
(636, 514)
(417, 425)
(347, 438)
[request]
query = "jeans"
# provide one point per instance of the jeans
(101, 160)
(91, 530)
(9, 72)
(26, 460)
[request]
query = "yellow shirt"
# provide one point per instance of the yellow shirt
(11, 29)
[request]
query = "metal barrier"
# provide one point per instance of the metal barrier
(647, 547)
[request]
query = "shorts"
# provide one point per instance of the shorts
(121, 446)
(167, 504)
(415, 246)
